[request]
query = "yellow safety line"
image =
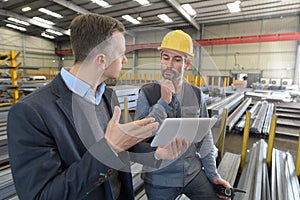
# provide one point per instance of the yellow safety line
(245, 139)
(271, 140)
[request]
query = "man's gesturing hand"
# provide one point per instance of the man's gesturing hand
(121, 137)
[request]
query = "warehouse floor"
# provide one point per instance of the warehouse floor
(234, 141)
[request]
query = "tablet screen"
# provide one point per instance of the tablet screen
(192, 129)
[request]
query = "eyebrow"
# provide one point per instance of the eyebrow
(176, 56)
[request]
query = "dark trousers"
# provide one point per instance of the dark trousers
(199, 188)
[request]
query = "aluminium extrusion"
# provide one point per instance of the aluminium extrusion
(256, 126)
(237, 113)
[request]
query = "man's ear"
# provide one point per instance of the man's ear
(100, 61)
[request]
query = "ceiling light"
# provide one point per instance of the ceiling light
(51, 13)
(47, 36)
(54, 32)
(18, 21)
(130, 19)
(67, 32)
(16, 27)
(25, 9)
(143, 2)
(188, 8)
(234, 7)
(165, 18)
(43, 20)
(101, 3)
(139, 18)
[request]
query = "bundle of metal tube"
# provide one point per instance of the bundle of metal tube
(237, 113)
(254, 178)
(254, 110)
(284, 182)
(267, 123)
(256, 126)
(229, 103)
(7, 188)
(3, 136)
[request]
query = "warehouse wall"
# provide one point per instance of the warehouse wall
(273, 59)
(35, 51)
(270, 59)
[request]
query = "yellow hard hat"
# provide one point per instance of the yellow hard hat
(179, 41)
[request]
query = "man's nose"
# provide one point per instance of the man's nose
(170, 63)
(124, 61)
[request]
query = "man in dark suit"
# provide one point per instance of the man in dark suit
(65, 140)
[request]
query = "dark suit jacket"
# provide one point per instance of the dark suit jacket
(47, 157)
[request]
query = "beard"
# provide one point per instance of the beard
(170, 74)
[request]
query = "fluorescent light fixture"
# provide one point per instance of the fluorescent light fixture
(188, 8)
(143, 2)
(43, 20)
(101, 3)
(47, 36)
(25, 9)
(18, 21)
(51, 13)
(16, 27)
(130, 19)
(234, 7)
(165, 18)
(54, 32)
(68, 32)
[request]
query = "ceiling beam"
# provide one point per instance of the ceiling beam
(177, 7)
(71, 6)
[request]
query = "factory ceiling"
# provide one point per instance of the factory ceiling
(207, 12)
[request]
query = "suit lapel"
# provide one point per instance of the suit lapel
(64, 95)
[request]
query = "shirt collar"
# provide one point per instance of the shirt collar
(81, 88)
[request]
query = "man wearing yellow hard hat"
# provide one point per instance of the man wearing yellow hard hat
(194, 172)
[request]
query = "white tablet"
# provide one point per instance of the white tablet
(192, 129)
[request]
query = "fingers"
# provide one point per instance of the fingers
(140, 128)
(178, 145)
(144, 122)
(116, 115)
(169, 84)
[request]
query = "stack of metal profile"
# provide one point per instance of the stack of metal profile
(237, 113)
(7, 188)
(257, 125)
(254, 110)
(230, 103)
(268, 119)
(254, 178)
(229, 167)
(3, 135)
(284, 182)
